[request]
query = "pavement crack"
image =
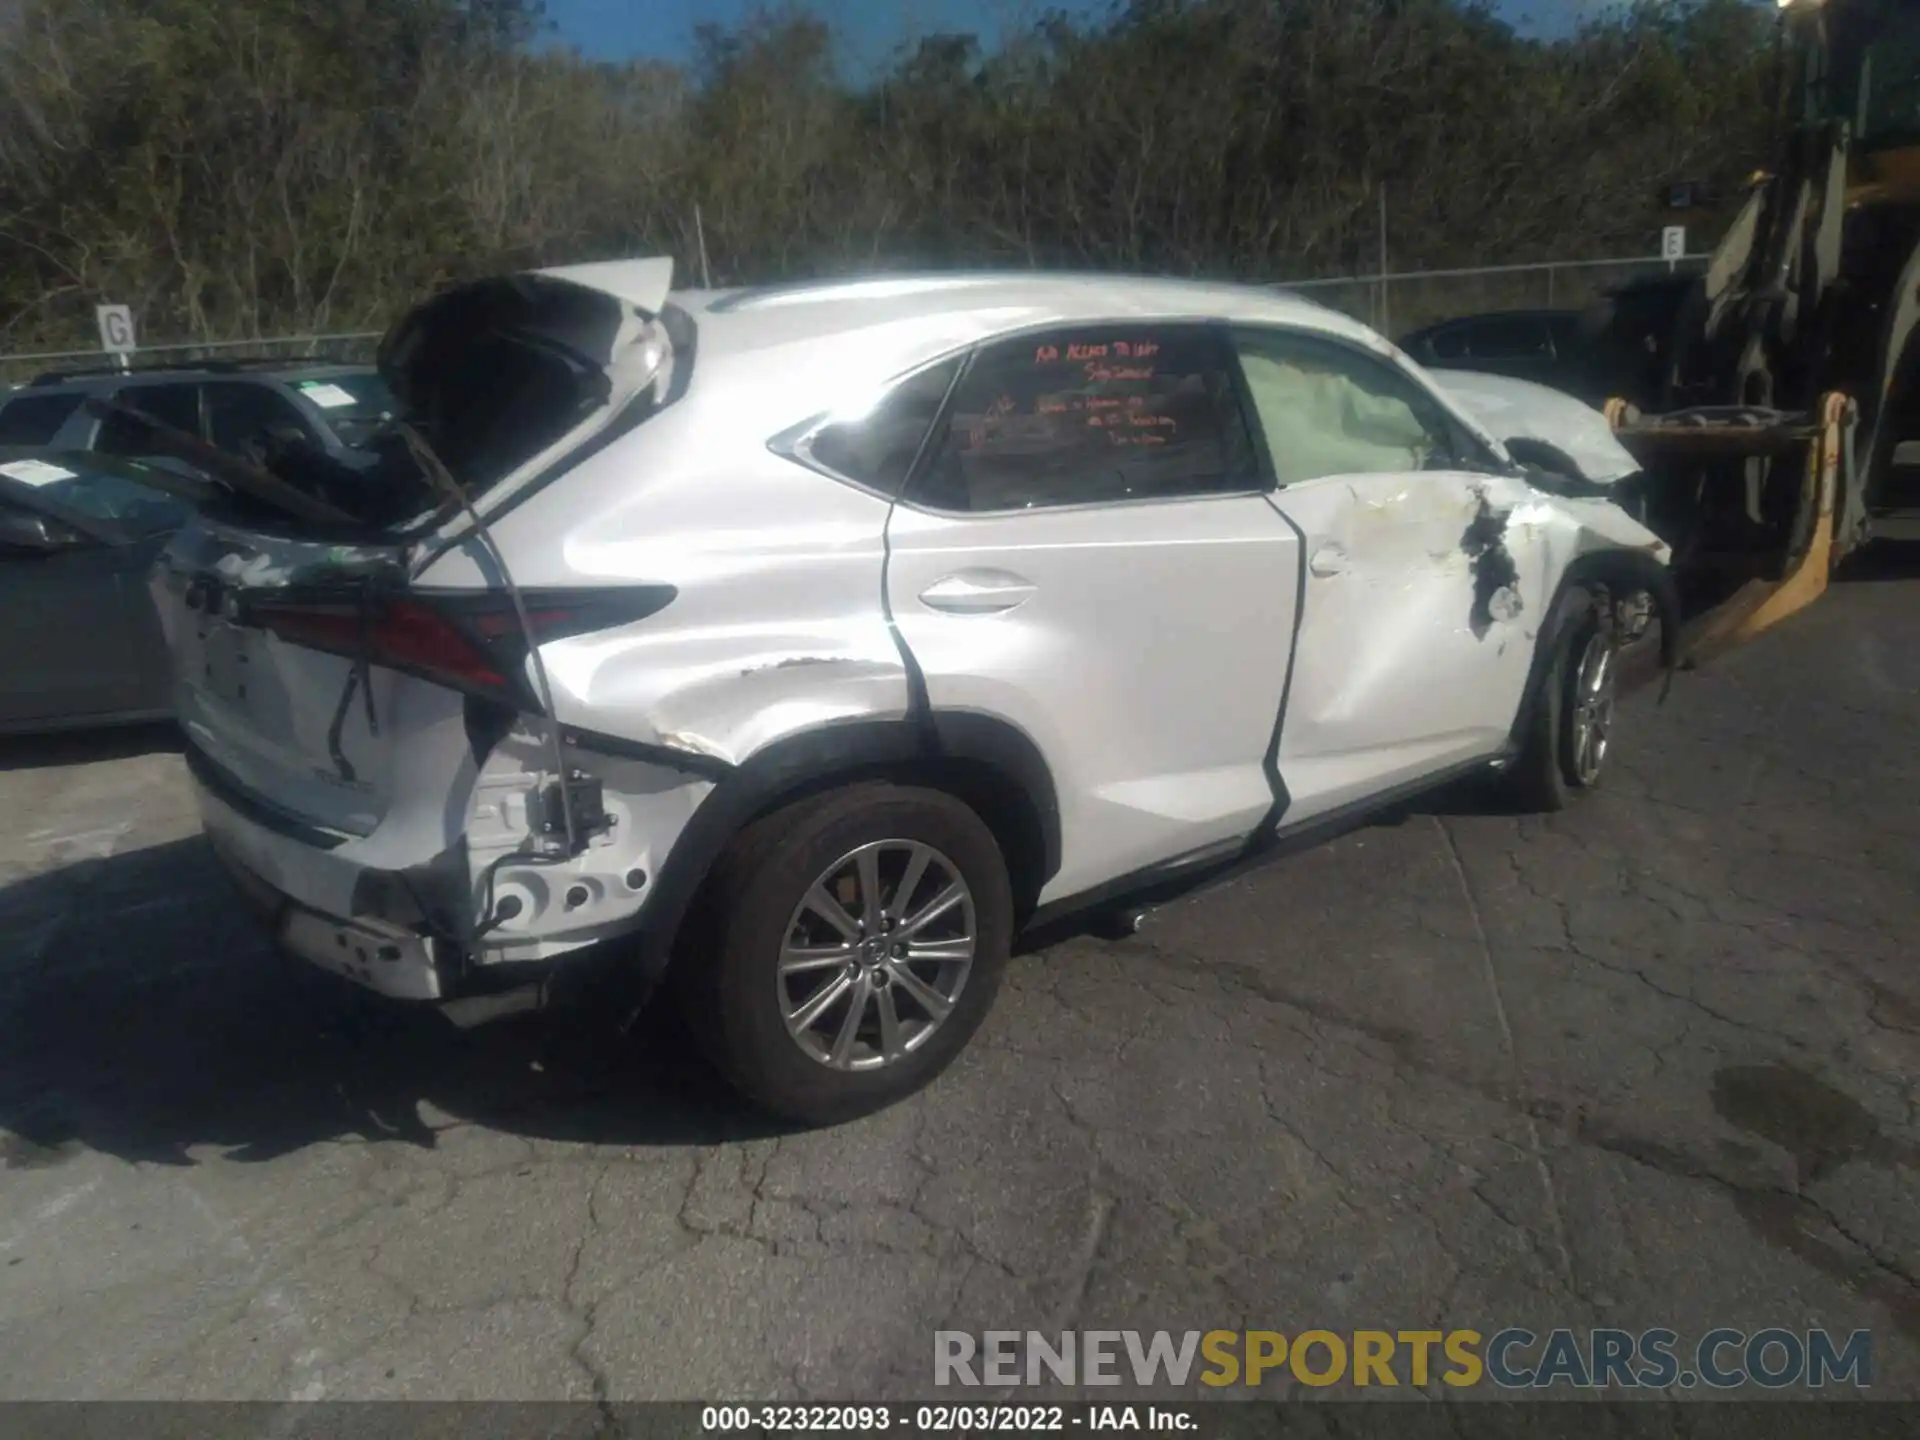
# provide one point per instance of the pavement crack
(1492, 974)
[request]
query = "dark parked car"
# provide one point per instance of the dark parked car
(333, 409)
(88, 500)
(1616, 347)
(80, 644)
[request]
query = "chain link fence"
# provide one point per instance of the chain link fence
(1398, 304)
(1391, 304)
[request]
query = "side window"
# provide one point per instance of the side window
(1509, 338)
(1450, 344)
(1095, 415)
(175, 405)
(239, 414)
(878, 448)
(1564, 330)
(1329, 410)
(35, 419)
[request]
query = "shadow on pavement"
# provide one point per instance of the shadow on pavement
(143, 1014)
(86, 747)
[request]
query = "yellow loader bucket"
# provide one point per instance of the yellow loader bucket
(1808, 565)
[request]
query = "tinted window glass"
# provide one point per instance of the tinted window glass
(1093, 415)
(878, 448)
(1565, 332)
(1449, 344)
(35, 419)
(1510, 339)
(241, 415)
(1329, 410)
(354, 402)
(100, 496)
(175, 405)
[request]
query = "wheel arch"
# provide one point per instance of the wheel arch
(986, 762)
(1609, 572)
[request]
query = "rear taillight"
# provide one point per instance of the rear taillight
(467, 640)
(394, 634)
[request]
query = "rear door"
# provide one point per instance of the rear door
(79, 638)
(1423, 584)
(1087, 551)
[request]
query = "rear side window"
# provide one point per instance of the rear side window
(1565, 333)
(1449, 344)
(175, 405)
(878, 448)
(1515, 338)
(239, 414)
(35, 419)
(1092, 415)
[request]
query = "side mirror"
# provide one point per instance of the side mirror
(24, 530)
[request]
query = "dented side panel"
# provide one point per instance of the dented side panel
(1425, 595)
(1416, 634)
(777, 627)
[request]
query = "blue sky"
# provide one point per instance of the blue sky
(617, 29)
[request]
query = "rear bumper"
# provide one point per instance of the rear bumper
(388, 959)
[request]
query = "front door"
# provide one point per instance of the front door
(1086, 550)
(1424, 583)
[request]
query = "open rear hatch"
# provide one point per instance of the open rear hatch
(317, 683)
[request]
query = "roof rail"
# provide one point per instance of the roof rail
(188, 367)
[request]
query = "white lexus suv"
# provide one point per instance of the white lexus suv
(810, 645)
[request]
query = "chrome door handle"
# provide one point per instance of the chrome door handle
(1330, 561)
(977, 592)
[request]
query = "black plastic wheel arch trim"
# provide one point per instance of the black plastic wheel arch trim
(823, 757)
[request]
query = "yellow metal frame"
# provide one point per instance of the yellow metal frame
(1761, 604)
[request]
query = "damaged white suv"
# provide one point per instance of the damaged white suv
(871, 624)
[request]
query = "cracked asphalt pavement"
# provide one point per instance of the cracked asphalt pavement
(1647, 1063)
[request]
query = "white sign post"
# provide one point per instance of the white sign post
(116, 331)
(1673, 245)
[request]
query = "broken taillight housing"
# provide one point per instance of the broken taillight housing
(471, 641)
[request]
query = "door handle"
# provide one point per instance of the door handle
(977, 592)
(1331, 560)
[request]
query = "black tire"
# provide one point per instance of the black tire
(1547, 775)
(728, 974)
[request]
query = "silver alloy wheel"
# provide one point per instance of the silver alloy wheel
(876, 954)
(1593, 698)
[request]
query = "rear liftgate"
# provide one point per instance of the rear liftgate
(1794, 523)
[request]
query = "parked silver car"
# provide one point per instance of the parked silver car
(825, 638)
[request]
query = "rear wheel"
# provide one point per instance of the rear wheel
(853, 944)
(1569, 736)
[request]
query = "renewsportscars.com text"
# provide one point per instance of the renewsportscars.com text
(1511, 1359)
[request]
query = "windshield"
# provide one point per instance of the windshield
(355, 403)
(100, 495)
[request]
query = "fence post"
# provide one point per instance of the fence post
(1386, 313)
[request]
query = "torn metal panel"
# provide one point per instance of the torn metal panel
(1424, 597)
(525, 910)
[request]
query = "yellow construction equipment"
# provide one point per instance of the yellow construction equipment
(1787, 425)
